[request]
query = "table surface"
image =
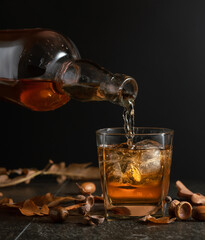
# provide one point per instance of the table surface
(13, 226)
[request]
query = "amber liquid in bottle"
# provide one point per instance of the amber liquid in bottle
(37, 95)
(25, 56)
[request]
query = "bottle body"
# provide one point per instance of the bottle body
(41, 70)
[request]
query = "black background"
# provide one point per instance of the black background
(160, 43)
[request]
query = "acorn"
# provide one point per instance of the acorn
(89, 187)
(58, 214)
(199, 213)
(181, 210)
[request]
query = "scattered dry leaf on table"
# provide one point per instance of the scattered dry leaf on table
(44, 199)
(161, 220)
(38, 205)
(45, 210)
(198, 199)
(30, 209)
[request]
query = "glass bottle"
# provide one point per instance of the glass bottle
(41, 69)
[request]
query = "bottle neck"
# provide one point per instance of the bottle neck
(86, 81)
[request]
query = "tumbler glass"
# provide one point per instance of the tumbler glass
(135, 179)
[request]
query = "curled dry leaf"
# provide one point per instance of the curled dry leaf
(183, 191)
(161, 220)
(198, 199)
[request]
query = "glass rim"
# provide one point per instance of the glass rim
(164, 131)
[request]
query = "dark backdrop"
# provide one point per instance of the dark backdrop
(158, 42)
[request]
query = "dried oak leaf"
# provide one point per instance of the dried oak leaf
(49, 200)
(161, 220)
(44, 199)
(30, 208)
(45, 210)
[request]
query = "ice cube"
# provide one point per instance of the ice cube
(150, 159)
(113, 172)
(147, 144)
(131, 174)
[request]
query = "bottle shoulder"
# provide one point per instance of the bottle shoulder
(33, 52)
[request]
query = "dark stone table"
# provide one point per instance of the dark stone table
(13, 226)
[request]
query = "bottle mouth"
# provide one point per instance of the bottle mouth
(128, 90)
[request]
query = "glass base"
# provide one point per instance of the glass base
(136, 212)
